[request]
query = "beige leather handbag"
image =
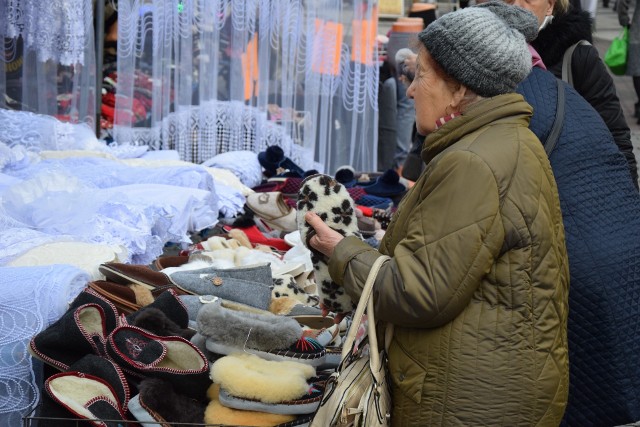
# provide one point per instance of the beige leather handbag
(358, 393)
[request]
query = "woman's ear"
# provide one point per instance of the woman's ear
(457, 97)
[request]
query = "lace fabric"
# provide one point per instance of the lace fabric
(32, 299)
(297, 73)
(56, 29)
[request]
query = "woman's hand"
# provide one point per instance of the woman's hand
(325, 239)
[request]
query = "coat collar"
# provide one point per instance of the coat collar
(507, 108)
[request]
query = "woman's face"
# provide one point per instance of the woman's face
(540, 8)
(431, 94)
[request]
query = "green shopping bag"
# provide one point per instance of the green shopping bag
(616, 55)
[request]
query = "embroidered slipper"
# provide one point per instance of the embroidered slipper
(266, 335)
(103, 368)
(174, 359)
(327, 198)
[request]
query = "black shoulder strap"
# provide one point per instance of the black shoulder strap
(552, 139)
(567, 73)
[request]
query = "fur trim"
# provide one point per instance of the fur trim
(142, 294)
(251, 377)
(156, 322)
(564, 31)
(160, 396)
(244, 221)
(217, 414)
(260, 331)
(282, 305)
(241, 237)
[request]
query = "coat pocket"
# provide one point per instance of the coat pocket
(406, 373)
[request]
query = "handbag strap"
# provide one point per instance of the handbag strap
(366, 304)
(552, 139)
(567, 72)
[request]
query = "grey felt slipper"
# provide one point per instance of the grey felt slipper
(266, 335)
(226, 284)
(307, 404)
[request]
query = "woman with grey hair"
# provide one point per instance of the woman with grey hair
(478, 278)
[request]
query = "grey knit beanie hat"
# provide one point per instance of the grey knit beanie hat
(479, 49)
(515, 16)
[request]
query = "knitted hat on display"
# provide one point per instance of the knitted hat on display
(480, 50)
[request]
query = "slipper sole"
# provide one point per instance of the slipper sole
(219, 348)
(305, 407)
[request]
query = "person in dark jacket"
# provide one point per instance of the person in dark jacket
(561, 27)
(601, 215)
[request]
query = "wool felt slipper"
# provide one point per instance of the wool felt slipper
(90, 296)
(226, 285)
(327, 198)
(218, 414)
(386, 185)
(156, 322)
(78, 332)
(87, 397)
(251, 377)
(266, 335)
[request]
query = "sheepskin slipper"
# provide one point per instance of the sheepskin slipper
(106, 370)
(169, 303)
(158, 403)
(174, 359)
(266, 335)
(307, 404)
(86, 396)
(327, 198)
(251, 377)
(156, 322)
(218, 414)
(285, 285)
(80, 331)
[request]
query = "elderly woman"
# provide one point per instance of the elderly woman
(478, 281)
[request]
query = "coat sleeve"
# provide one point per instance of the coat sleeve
(453, 236)
(597, 87)
(623, 12)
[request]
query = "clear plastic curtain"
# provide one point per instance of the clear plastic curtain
(228, 75)
(47, 64)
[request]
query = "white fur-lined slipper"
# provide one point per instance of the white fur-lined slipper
(266, 335)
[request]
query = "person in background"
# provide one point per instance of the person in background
(387, 117)
(633, 53)
(601, 213)
(478, 278)
(561, 26)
